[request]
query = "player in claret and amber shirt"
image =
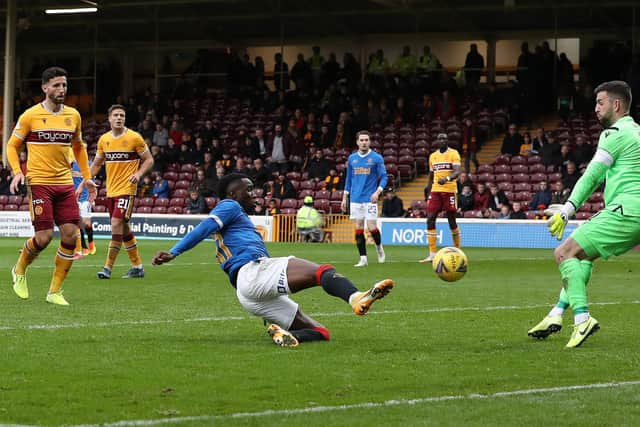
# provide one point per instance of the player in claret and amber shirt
(121, 149)
(444, 167)
(48, 130)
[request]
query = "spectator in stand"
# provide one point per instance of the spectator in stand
(310, 135)
(330, 70)
(280, 73)
(541, 198)
(405, 65)
(261, 142)
(481, 198)
(293, 139)
(517, 212)
(333, 181)
(196, 204)
(278, 151)
(550, 152)
(570, 175)
(446, 107)
(512, 141)
(175, 132)
(582, 152)
(258, 210)
(212, 182)
(160, 188)
(5, 183)
(469, 145)
(527, 145)
(171, 152)
(316, 61)
(145, 187)
(463, 179)
(185, 156)
(160, 136)
(565, 155)
(216, 149)
(272, 208)
(318, 167)
(208, 132)
(202, 184)
(504, 213)
(465, 199)
(497, 198)
(538, 142)
(259, 174)
(392, 206)
(240, 167)
(560, 195)
(340, 140)
(159, 161)
(301, 73)
(197, 152)
(209, 166)
(146, 130)
(474, 65)
(325, 139)
(283, 189)
(377, 70)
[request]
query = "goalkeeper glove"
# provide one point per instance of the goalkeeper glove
(559, 215)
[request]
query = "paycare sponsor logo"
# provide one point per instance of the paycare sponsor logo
(114, 156)
(54, 136)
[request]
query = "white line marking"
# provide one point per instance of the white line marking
(386, 403)
(233, 318)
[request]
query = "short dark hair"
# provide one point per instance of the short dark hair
(618, 89)
(116, 107)
(226, 181)
(52, 72)
(363, 132)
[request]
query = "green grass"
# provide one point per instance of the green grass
(178, 345)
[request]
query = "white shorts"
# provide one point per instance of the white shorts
(263, 290)
(363, 210)
(85, 209)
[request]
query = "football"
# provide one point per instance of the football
(450, 264)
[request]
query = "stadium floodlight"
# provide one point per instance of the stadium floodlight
(69, 10)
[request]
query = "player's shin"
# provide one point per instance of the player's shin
(575, 285)
(375, 234)
(333, 283)
(361, 242)
(318, 333)
(64, 260)
(561, 305)
(455, 236)
(432, 236)
(29, 253)
(131, 245)
(114, 249)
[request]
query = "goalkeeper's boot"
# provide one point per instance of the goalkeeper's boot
(362, 301)
(105, 273)
(549, 325)
(134, 273)
(582, 331)
(20, 284)
(56, 298)
(381, 254)
(281, 337)
(430, 258)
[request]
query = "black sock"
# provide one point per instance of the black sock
(337, 285)
(376, 236)
(82, 241)
(361, 243)
(306, 335)
(89, 231)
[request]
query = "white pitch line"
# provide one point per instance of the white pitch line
(383, 404)
(78, 325)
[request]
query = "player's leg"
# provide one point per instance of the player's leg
(357, 213)
(67, 217)
(42, 218)
(117, 228)
(371, 216)
(451, 207)
(131, 246)
(434, 206)
(88, 228)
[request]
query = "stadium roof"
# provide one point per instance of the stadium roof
(231, 22)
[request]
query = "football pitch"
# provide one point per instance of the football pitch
(175, 348)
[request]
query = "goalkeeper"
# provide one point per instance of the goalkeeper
(612, 231)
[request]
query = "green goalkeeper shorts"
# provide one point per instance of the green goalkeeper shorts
(608, 233)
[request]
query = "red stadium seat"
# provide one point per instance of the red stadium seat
(521, 186)
(175, 210)
(183, 184)
(520, 177)
(147, 201)
(24, 207)
(520, 168)
(159, 210)
(15, 200)
(485, 169)
(537, 168)
(505, 186)
(177, 201)
(322, 205)
(161, 202)
(532, 160)
(502, 169)
(180, 192)
(143, 209)
(503, 177)
(518, 160)
(289, 203)
(4, 199)
(322, 194)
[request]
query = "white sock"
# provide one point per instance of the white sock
(556, 311)
(364, 258)
(579, 318)
(137, 266)
(352, 296)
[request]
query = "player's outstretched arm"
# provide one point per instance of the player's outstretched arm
(162, 257)
(207, 227)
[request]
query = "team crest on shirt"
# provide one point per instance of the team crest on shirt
(67, 121)
(369, 161)
(38, 210)
(44, 120)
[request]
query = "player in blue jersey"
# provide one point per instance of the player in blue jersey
(262, 283)
(366, 177)
(82, 196)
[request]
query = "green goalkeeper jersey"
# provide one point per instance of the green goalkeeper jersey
(622, 142)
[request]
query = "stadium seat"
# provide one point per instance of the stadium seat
(419, 205)
(146, 201)
(521, 186)
(505, 186)
(596, 197)
(170, 176)
(143, 209)
(520, 177)
(422, 164)
(518, 160)
(502, 159)
(499, 169)
(161, 202)
(185, 176)
(288, 211)
(177, 201)
(473, 214)
(24, 207)
(175, 210)
(15, 200)
(583, 215)
(532, 160)
(293, 176)
(406, 172)
(556, 176)
(537, 177)
(183, 184)
(519, 168)
(180, 192)
(322, 205)
(322, 194)
(486, 177)
(537, 168)
(10, 207)
(522, 196)
(289, 203)
(485, 169)
(4, 199)
(503, 177)
(159, 210)
(188, 167)
(308, 185)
